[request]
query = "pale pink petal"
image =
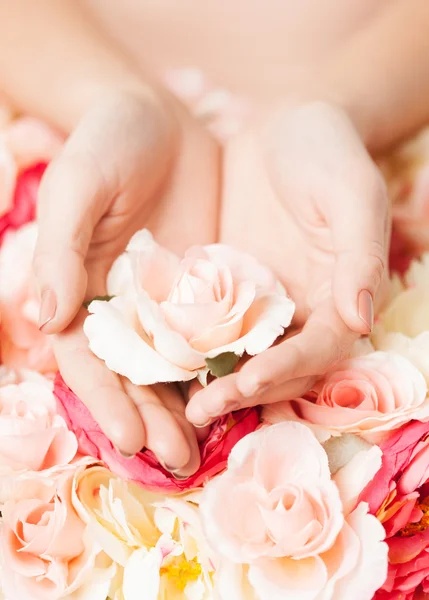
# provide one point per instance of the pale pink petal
(154, 267)
(189, 319)
(280, 457)
(352, 478)
(263, 323)
(137, 360)
(371, 570)
(288, 579)
(243, 267)
(168, 343)
(229, 326)
(8, 175)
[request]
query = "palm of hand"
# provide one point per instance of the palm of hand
(302, 194)
(128, 167)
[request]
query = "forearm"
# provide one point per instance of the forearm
(54, 63)
(381, 75)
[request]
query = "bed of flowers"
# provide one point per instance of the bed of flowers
(324, 497)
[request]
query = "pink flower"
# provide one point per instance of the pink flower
(45, 550)
(144, 468)
(169, 316)
(32, 436)
(278, 510)
(22, 344)
(399, 496)
(24, 202)
(368, 395)
(24, 143)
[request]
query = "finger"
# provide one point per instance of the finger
(360, 236)
(68, 199)
(176, 404)
(173, 444)
(324, 340)
(99, 389)
(201, 430)
(229, 398)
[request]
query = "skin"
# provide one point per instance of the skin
(300, 172)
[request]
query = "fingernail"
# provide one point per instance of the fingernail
(124, 454)
(48, 308)
(366, 309)
(232, 406)
(206, 424)
(179, 477)
(173, 470)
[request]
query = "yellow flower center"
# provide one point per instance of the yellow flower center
(182, 571)
(413, 528)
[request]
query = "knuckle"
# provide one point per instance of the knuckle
(377, 263)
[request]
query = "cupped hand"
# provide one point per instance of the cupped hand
(134, 161)
(303, 195)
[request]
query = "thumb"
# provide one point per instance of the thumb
(360, 231)
(69, 194)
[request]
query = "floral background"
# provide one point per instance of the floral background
(324, 497)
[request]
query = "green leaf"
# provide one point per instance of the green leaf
(222, 365)
(100, 298)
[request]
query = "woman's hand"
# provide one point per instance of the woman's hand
(134, 161)
(303, 195)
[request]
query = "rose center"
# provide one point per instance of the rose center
(413, 528)
(181, 572)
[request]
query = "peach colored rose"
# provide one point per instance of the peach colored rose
(32, 436)
(279, 514)
(169, 315)
(21, 342)
(145, 468)
(368, 395)
(24, 143)
(46, 550)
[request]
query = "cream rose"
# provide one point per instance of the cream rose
(287, 529)
(368, 395)
(408, 313)
(169, 316)
(158, 541)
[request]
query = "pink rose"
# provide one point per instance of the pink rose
(368, 395)
(45, 551)
(144, 468)
(399, 496)
(24, 143)
(24, 202)
(32, 436)
(22, 344)
(277, 509)
(169, 315)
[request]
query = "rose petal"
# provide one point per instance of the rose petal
(138, 361)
